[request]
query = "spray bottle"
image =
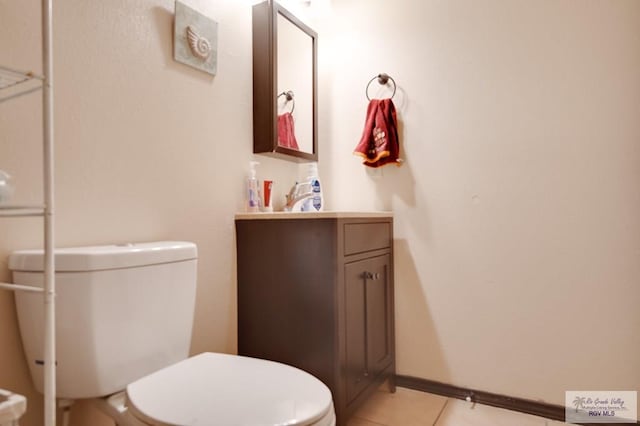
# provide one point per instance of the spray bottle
(253, 197)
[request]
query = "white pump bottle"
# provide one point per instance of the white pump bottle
(253, 197)
(316, 202)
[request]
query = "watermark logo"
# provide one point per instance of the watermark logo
(601, 406)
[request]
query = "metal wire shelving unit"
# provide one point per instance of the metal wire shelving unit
(13, 84)
(18, 83)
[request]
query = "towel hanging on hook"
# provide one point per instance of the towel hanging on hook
(286, 127)
(379, 144)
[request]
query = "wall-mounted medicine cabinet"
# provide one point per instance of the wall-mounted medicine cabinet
(284, 84)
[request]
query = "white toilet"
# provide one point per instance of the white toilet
(123, 324)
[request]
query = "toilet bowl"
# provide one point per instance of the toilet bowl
(229, 390)
(123, 325)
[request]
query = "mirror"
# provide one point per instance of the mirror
(284, 84)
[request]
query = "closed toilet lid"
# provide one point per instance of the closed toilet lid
(229, 390)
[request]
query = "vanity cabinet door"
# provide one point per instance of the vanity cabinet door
(378, 309)
(368, 322)
(356, 373)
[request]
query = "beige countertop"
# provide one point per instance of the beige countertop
(312, 215)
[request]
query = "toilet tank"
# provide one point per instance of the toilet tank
(122, 312)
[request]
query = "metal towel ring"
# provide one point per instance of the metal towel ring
(289, 97)
(383, 79)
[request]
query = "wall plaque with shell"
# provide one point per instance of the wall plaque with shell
(195, 39)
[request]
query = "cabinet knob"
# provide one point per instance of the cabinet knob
(371, 275)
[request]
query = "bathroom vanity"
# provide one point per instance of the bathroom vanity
(315, 290)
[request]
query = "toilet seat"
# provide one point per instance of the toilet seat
(229, 390)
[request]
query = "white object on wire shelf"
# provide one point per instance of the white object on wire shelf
(12, 407)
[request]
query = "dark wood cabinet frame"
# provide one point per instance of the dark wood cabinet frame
(318, 294)
(265, 78)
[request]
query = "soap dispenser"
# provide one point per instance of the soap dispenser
(315, 203)
(252, 203)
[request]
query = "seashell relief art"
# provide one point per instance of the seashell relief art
(195, 39)
(199, 45)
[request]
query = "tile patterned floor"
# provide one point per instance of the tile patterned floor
(413, 408)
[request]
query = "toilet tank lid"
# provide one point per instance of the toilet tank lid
(94, 258)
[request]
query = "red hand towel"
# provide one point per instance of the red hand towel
(379, 144)
(286, 131)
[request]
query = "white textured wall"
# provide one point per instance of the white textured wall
(518, 210)
(146, 149)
